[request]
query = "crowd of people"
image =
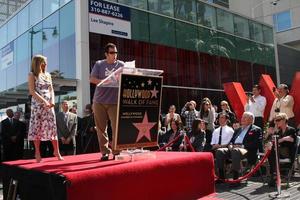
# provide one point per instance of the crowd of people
(211, 129)
(229, 139)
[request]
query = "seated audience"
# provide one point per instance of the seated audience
(207, 113)
(189, 113)
(286, 143)
(245, 143)
(171, 115)
(226, 109)
(171, 135)
(223, 134)
(197, 135)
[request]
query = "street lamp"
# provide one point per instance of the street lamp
(44, 37)
(273, 2)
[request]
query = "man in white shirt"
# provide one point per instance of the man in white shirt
(223, 134)
(256, 105)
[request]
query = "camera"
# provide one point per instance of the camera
(249, 94)
(277, 110)
(274, 3)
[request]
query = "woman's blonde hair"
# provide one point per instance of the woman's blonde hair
(36, 62)
(226, 103)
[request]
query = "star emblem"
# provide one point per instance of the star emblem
(144, 128)
(154, 92)
(149, 82)
(142, 84)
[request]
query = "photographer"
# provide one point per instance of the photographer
(283, 103)
(256, 104)
(190, 113)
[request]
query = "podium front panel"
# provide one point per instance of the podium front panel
(138, 111)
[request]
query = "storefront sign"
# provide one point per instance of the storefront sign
(138, 111)
(7, 56)
(109, 19)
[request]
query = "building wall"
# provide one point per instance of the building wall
(289, 63)
(264, 10)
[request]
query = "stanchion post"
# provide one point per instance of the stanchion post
(279, 194)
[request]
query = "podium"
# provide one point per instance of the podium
(138, 108)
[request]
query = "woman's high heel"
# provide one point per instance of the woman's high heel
(58, 156)
(38, 158)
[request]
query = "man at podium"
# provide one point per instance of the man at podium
(105, 98)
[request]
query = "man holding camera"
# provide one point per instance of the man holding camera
(283, 103)
(190, 113)
(256, 105)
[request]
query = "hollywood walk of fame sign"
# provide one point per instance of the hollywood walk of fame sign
(138, 111)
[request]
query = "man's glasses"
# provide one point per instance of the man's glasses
(113, 52)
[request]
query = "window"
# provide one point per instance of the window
(139, 25)
(3, 35)
(256, 31)
(162, 30)
(50, 41)
(36, 7)
(186, 36)
(23, 20)
(268, 35)
(164, 7)
(225, 21)
(185, 10)
(12, 29)
(22, 58)
(50, 6)
(36, 40)
(67, 64)
(282, 21)
(241, 27)
(135, 3)
(206, 15)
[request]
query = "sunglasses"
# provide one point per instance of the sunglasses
(277, 120)
(113, 52)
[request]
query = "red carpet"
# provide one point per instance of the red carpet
(169, 176)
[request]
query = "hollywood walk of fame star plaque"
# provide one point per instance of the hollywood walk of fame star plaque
(138, 111)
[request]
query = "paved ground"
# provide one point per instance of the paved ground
(254, 189)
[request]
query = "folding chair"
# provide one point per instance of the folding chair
(287, 165)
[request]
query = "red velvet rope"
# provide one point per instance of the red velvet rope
(170, 143)
(254, 170)
(187, 140)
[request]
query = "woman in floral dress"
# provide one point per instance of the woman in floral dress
(42, 125)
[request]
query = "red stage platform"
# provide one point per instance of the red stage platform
(170, 175)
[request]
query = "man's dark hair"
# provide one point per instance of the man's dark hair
(257, 86)
(109, 45)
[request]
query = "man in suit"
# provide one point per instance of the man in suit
(21, 136)
(10, 133)
(245, 143)
(66, 127)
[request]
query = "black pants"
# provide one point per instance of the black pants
(283, 152)
(67, 149)
(259, 121)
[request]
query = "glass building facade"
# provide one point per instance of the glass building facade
(198, 45)
(40, 27)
